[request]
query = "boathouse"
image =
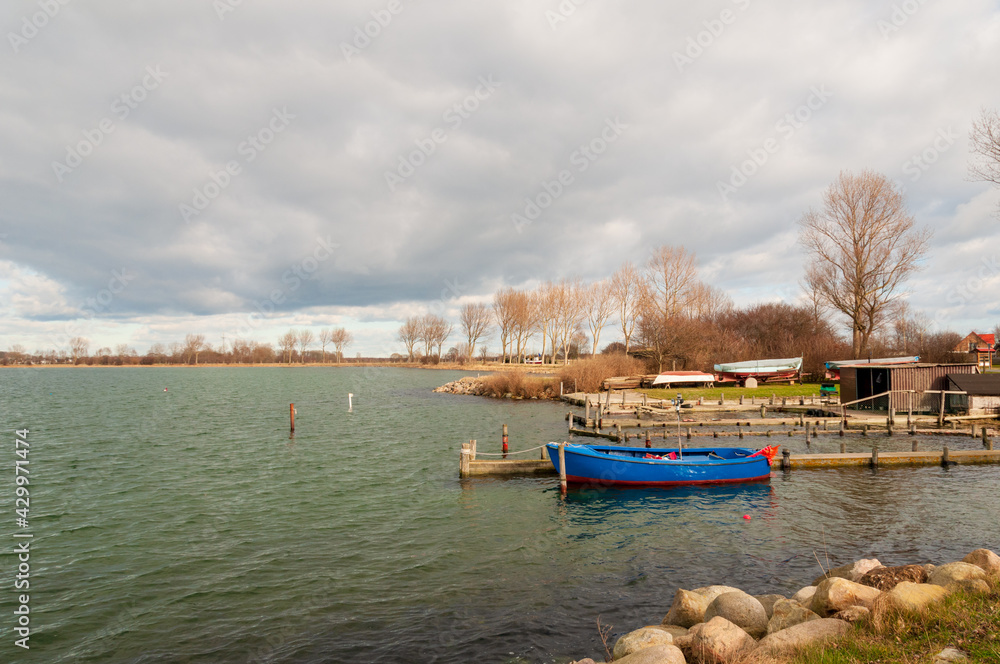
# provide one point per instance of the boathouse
(867, 380)
(982, 392)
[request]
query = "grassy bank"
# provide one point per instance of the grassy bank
(964, 620)
(734, 392)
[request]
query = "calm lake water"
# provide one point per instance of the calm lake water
(187, 526)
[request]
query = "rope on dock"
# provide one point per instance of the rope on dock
(532, 449)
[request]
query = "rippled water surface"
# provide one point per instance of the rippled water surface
(187, 526)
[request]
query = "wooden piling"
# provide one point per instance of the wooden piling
(864, 430)
(560, 389)
(875, 456)
(972, 431)
(562, 467)
(843, 447)
(472, 447)
(648, 443)
(722, 398)
(786, 459)
(465, 460)
(586, 408)
(807, 435)
(504, 441)
(842, 428)
(913, 429)
(763, 411)
(944, 456)
(941, 411)
(623, 397)
(689, 433)
(914, 446)
(741, 399)
(291, 416)
(987, 441)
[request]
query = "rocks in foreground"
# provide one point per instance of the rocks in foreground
(722, 624)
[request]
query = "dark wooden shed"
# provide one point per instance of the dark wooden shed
(861, 381)
(982, 392)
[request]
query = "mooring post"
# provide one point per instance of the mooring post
(807, 435)
(789, 433)
(954, 425)
(291, 416)
(464, 459)
(987, 441)
(608, 400)
(825, 422)
(722, 398)
(913, 429)
(888, 428)
(972, 432)
(784, 401)
(560, 389)
(944, 456)
(618, 430)
(715, 434)
(763, 411)
(842, 428)
(914, 446)
(504, 440)
(740, 432)
(644, 395)
(864, 430)
(570, 418)
(741, 399)
(786, 459)
(909, 407)
(648, 443)
(875, 456)
(843, 447)
(768, 433)
(941, 411)
(472, 448)
(802, 419)
(562, 467)
(586, 409)
(802, 401)
(689, 433)
(773, 395)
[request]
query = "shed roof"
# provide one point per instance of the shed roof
(985, 385)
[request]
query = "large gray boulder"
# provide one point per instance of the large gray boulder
(687, 609)
(959, 575)
(851, 571)
(836, 594)
(985, 559)
(789, 640)
(644, 637)
(662, 654)
(767, 601)
(788, 613)
(740, 609)
(718, 640)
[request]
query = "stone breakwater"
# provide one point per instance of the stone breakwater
(722, 624)
(467, 385)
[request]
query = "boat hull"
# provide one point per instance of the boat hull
(626, 466)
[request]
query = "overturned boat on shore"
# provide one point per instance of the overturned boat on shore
(763, 371)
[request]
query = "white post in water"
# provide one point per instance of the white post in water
(350, 402)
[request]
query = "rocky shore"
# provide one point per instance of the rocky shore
(725, 625)
(471, 385)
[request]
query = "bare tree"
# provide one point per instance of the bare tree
(324, 340)
(504, 304)
(306, 337)
(436, 331)
(545, 313)
(341, 339)
(476, 319)
(984, 138)
(484, 353)
(863, 246)
(599, 304)
(626, 285)
(571, 312)
(286, 343)
(193, 345)
(672, 275)
(525, 321)
(78, 346)
(409, 335)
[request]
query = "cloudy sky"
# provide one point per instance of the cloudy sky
(239, 167)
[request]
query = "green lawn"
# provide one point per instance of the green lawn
(733, 392)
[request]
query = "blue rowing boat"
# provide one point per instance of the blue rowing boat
(641, 466)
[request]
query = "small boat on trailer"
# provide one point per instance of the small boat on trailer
(611, 465)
